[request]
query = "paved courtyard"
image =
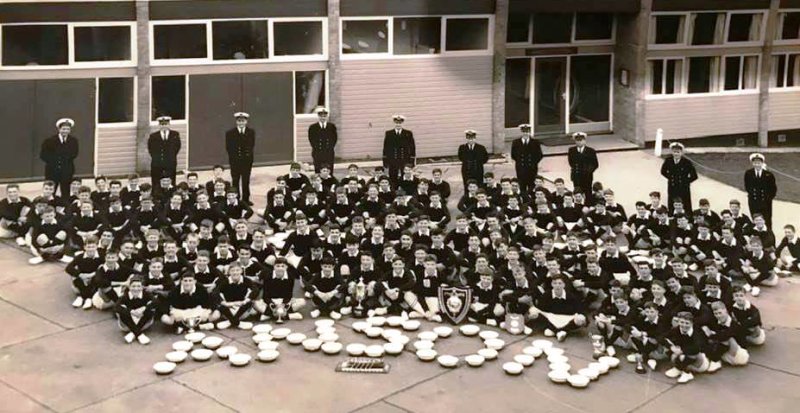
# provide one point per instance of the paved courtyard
(56, 358)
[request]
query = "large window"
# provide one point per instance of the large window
(180, 41)
(417, 35)
(298, 38)
(708, 28)
(744, 27)
(594, 26)
(518, 92)
(560, 28)
(115, 100)
(35, 45)
(467, 34)
(703, 74)
(365, 36)
(790, 26)
(665, 76)
(741, 72)
(240, 39)
(786, 70)
(591, 88)
(102, 43)
(519, 26)
(309, 91)
(169, 97)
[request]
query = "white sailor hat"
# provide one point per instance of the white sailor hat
(238, 115)
(62, 121)
(470, 133)
(678, 145)
(757, 156)
(321, 109)
(525, 127)
(164, 119)
(398, 118)
(579, 136)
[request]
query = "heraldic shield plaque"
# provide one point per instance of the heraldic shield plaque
(454, 303)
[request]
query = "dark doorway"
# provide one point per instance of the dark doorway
(550, 91)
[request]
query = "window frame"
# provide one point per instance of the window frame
(111, 125)
(71, 63)
(443, 52)
(294, 94)
(742, 57)
(761, 31)
(720, 81)
(688, 31)
(779, 30)
(573, 32)
(209, 58)
(785, 74)
(184, 121)
(682, 79)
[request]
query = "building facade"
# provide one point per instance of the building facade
(695, 68)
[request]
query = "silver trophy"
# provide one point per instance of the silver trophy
(599, 345)
(191, 323)
(279, 311)
(361, 295)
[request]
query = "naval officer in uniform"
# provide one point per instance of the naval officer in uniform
(761, 188)
(239, 142)
(323, 137)
(526, 153)
(473, 157)
(680, 174)
(58, 153)
(582, 164)
(163, 146)
(399, 149)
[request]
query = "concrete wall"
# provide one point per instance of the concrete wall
(693, 116)
(302, 149)
(629, 54)
(116, 150)
(784, 110)
(440, 97)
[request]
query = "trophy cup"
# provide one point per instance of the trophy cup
(599, 346)
(278, 310)
(515, 323)
(361, 294)
(191, 323)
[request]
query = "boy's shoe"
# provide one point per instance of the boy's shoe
(381, 311)
(222, 325)
(747, 287)
(346, 310)
(143, 339)
(528, 331)
(206, 326)
(78, 303)
(87, 304)
(335, 315)
(415, 314)
(129, 338)
(179, 330)
(755, 292)
(436, 318)
(35, 260)
(295, 316)
(631, 358)
(714, 366)
(245, 325)
(561, 335)
(685, 378)
(265, 317)
(672, 373)
(21, 242)
(652, 364)
(491, 322)
(549, 333)
(314, 313)
(611, 351)
(66, 259)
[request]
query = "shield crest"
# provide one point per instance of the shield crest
(454, 303)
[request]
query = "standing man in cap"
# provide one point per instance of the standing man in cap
(526, 153)
(58, 153)
(680, 174)
(323, 137)
(163, 146)
(582, 163)
(239, 143)
(761, 188)
(399, 149)
(472, 156)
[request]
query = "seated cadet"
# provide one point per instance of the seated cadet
(421, 196)
(85, 224)
(295, 180)
(127, 256)
(640, 285)
(240, 236)
(251, 268)
(158, 284)
(760, 230)
(110, 281)
(278, 213)
(408, 180)
(691, 303)
(175, 217)
(559, 306)
(329, 182)
(152, 247)
(341, 210)
(205, 274)
(193, 186)
(615, 262)
(437, 211)
(686, 343)
(83, 270)
(327, 290)
(218, 175)
(371, 208)
(593, 284)
(117, 219)
(702, 246)
(614, 326)
(729, 253)
(263, 252)
(517, 294)
(748, 317)
(311, 263)
(363, 285)
(374, 243)
(202, 210)
(235, 295)
(233, 209)
(486, 295)
(135, 311)
(470, 197)
(191, 246)
(223, 255)
(710, 217)
(131, 193)
(712, 273)
(439, 185)
(49, 239)
(174, 265)
(299, 241)
(189, 305)
(646, 335)
(723, 336)
(682, 233)
(788, 261)
(758, 268)
(14, 211)
(145, 217)
(396, 285)
(424, 298)
(635, 229)
(277, 291)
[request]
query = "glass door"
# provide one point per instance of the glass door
(550, 94)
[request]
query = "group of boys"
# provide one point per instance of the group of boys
(666, 282)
